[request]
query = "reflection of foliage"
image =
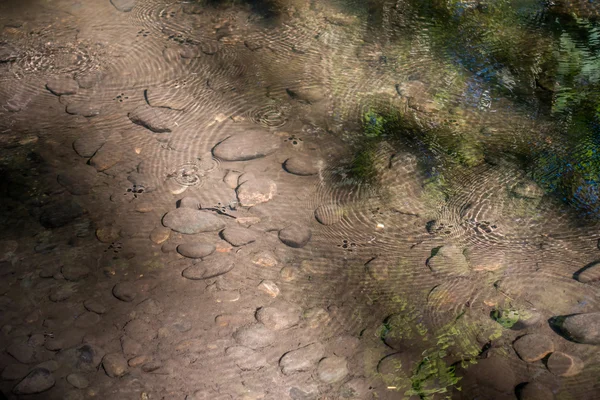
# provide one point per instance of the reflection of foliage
(489, 38)
(573, 170)
(519, 45)
(373, 124)
(434, 368)
(577, 69)
(432, 375)
(506, 318)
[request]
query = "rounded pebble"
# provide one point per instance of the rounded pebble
(295, 235)
(37, 381)
(533, 347)
(124, 291)
(332, 369)
(329, 214)
(189, 221)
(303, 166)
(196, 250)
(562, 364)
(114, 365)
(78, 381)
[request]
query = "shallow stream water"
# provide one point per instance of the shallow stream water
(299, 199)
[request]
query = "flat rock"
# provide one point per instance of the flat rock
(95, 305)
(255, 336)
(88, 144)
(329, 214)
(160, 234)
(332, 369)
(108, 233)
(535, 391)
(144, 207)
(107, 156)
(62, 85)
(449, 260)
(78, 381)
(115, 365)
(138, 361)
(150, 118)
(562, 364)
(581, 328)
(303, 166)
(123, 5)
(59, 214)
(169, 247)
(303, 359)
(245, 358)
(196, 250)
(533, 347)
(124, 291)
(84, 358)
(84, 109)
(295, 235)
(256, 191)
(37, 381)
(64, 340)
(590, 273)
(278, 317)
(247, 146)
(188, 221)
(238, 236)
(75, 271)
(269, 287)
(308, 95)
(62, 293)
(209, 268)
(173, 98)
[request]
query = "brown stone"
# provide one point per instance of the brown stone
(563, 364)
(533, 347)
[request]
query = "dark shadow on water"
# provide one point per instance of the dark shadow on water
(266, 8)
(577, 274)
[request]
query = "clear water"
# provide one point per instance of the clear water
(448, 174)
